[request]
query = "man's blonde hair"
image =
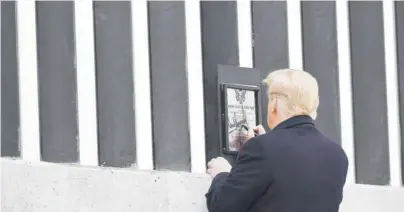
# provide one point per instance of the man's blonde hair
(295, 91)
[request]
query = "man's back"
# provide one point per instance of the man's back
(309, 170)
(294, 168)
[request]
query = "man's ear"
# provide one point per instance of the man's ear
(273, 105)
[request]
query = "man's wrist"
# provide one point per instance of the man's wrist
(221, 174)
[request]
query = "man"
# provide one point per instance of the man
(293, 168)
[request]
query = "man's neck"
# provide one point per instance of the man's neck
(280, 120)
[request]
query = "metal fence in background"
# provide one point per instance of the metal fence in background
(129, 83)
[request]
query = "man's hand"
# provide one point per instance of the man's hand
(259, 130)
(218, 165)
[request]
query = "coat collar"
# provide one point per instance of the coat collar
(295, 121)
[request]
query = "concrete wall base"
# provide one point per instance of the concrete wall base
(45, 187)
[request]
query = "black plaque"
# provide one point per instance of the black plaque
(240, 110)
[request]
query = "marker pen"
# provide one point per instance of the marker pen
(246, 128)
